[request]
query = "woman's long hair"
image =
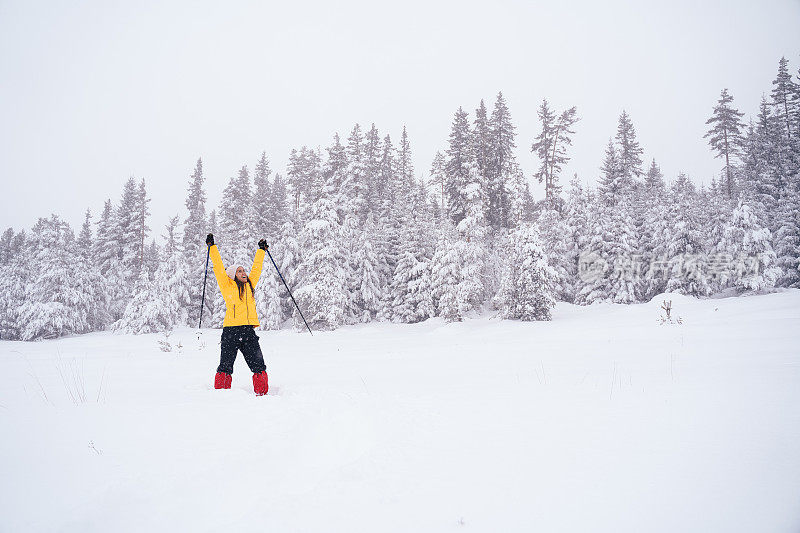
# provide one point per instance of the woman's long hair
(240, 285)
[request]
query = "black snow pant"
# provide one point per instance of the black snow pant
(244, 338)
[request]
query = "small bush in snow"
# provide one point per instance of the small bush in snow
(667, 318)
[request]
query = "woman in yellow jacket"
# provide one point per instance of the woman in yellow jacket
(241, 319)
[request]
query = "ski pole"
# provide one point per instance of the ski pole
(290, 292)
(203, 301)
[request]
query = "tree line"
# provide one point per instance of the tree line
(360, 237)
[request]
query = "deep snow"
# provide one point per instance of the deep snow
(601, 420)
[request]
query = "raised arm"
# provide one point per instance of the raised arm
(258, 262)
(219, 269)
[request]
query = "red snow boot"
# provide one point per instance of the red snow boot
(260, 385)
(222, 380)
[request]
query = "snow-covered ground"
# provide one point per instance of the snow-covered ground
(601, 420)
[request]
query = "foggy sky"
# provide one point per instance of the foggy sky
(94, 92)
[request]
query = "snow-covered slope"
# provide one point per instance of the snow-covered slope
(601, 420)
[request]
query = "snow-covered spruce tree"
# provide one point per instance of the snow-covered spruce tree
(610, 249)
(503, 166)
(715, 215)
(262, 220)
(236, 238)
(277, 208)
(725, 136)
(152, 258)
(763, 174)
(147, 311)
(787, 238)
(304, 177)
(611, 186)
(785, 101)
(354, 186)
(368, 295)
(654, 180)
(457, 163)
(458, 266)
(99, 317)
(62, 305)
(410, 290)
(171, 275)
(753, 264)
(14, 278)
(629, 152)
(287, 255)
(683, 246)
(527, 291)
(159, 303)
(388, 223)
(576, 212)
(195, 229)
(322, 274)
(651, 217)
(373, 155)
(438, 179)
(553, 233)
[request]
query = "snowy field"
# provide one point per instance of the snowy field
(601, 420)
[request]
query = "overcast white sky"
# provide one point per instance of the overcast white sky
(94, 92)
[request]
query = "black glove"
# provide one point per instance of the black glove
(263, 244)
(210, 239)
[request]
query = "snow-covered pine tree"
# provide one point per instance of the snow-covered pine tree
(527, 291)
(128, 240)
(236, 238)
(457, 164)
(550, 146)
(277, 207)
(160, 302)
(288, 256)
(152, 258)
(787, 238)
(725, 135)
(405, 164)
(410, 288)
(629, 152)
(146, 311)
(171, 274)
(576, 213)
(373, 155)
(369, 292)
(503, 165)
(611, 186)
(84, 244)
(63, 303)
(753, 263)
(438, 178)
(610, 250)
(458, 266)
(262, 220)
(683, 246)
(654, 180)
(14, 278)
(304, 178)
(322, 274)
(195, 229)
(554, 235)
(784, 99)
(336, 163)
(354, 186)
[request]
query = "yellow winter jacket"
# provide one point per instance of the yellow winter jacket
(239, 311)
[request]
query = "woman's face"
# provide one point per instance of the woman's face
(241, 275)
